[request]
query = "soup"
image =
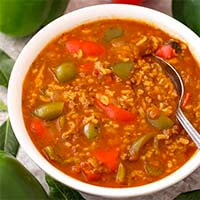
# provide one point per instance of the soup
(101, 110)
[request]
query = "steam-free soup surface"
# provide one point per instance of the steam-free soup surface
(101, 110)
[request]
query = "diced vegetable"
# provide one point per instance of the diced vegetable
(90, 131)
(116, 113)
(110, 158)
(92, 49)
(49, 151)
(165, 52)
(113, 33)
(61, 121)
(65, 72)
(138, 144)
(175, 45)
(88, 48)
(186, 99)
(38, 127)
(152, 170)
(49, 111)
(162, 122)
(89, 172)
(87, 68)
(123, 69)
(121, 173)
(91, 175)
(73, 46)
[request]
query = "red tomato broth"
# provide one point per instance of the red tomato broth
(134, 95)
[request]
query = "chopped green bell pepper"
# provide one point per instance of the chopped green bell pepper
(121, 173)
(153, 171)
(113, 33)
(123, 69)
(65, 72)
(138, 144)
(90, 131)
(163, 122)
(49, 111)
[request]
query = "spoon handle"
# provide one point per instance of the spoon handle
(188, 127)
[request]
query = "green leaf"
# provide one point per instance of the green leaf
(58, 191)
(193, 195)
(3, 106)
(8, 141)
(6, 65)
(187, 11)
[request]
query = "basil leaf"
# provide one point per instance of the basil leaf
(193, 195)
(6, 65)
(58, 191)
(3, 106)
(8, 141)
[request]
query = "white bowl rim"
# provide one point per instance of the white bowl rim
(17, 76)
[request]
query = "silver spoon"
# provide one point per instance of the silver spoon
(178, 83)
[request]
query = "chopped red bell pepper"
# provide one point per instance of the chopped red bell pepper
(110, 158)
(165, 52)
(116, 113)
(88, 172)
(91, 175)
(92, 49)
(186, 99)
(87, 68)
(88, 48)
(109, 78)
(73, 46)
(38, 127)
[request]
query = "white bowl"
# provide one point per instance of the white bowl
(68, 22)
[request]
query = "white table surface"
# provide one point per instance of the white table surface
(14, 46)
